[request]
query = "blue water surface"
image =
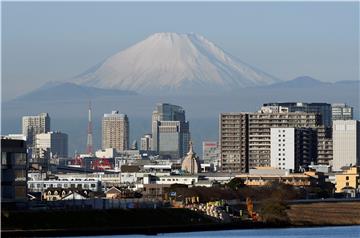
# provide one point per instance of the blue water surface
(318, 232)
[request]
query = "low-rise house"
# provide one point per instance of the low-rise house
(55, 194)
(348, 181)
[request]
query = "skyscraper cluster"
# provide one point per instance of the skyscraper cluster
(290, 136)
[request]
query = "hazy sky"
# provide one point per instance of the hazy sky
(55, 41)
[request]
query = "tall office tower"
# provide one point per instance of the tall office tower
(341, 111)
(170, 131)
(14, 166)
(233, 133)
(324, 109)
(55, 142)
(32, 125)
(259, 130)
(292, 148)
(145, 142)
(324, 145)
(115, 131)
(346, 143)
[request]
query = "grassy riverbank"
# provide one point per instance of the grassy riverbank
(315, 214)
(153, 221)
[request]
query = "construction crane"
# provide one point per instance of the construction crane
(250, 208)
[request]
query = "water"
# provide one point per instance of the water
(318, 232)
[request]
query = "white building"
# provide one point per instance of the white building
(145, 142)
(211, 154)
(341, 111)
(106, 153)
(291, 148)
(346, 143)
(55, 142)
(32, 125)
(283, 148)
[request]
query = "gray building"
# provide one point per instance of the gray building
(233, 137)
(324, 145)
(324, 109)
(341, 111)
(32, 125)
(14, 168)
(259, 131)
(170, 131)
(245, 138)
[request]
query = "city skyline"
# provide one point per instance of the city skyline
(304, 41)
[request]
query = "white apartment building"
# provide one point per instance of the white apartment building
(346, 143)
(283, 148)
(32, 125)
(56, 142)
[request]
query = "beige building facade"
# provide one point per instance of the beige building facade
(115, 131)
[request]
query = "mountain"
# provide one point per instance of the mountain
(60, 91)
(171, 62)
(300, 82)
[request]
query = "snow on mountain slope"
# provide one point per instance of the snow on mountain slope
(171, 62)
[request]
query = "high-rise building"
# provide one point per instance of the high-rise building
(245, 138)
(324, 109)
(55, 142)
(145, 142)
(14, 167)
(115, 131)
(341, 111)
(292, 148)
(346, 143)
(170, 131)
(233, 137)
(260, 124)
(324, 145)
(32, 125)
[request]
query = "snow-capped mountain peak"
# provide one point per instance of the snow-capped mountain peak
(172, 62)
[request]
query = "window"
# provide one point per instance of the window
(19, 158)
(93, 185)
(347, 177)
(3, 158)
(347, 184)
(20, 175)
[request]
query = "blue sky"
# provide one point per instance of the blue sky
(48, 41)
